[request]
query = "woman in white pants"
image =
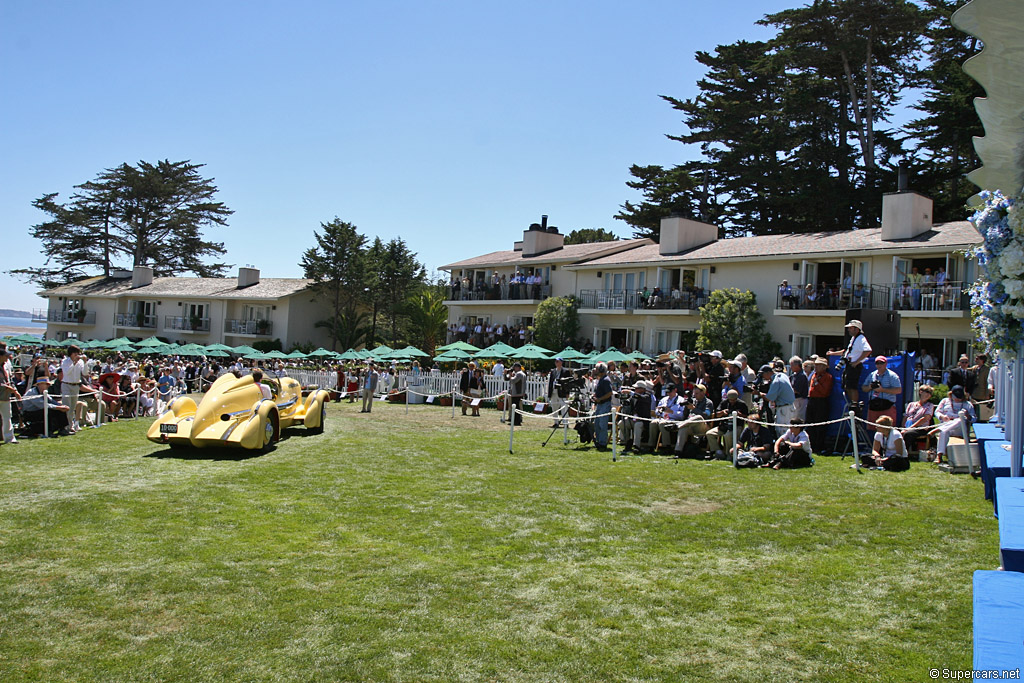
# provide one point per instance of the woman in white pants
(948, 413)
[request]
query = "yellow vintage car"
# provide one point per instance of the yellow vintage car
(234, 413)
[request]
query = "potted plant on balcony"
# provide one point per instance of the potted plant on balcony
(80, 314)
(195, 322)
(262, 326)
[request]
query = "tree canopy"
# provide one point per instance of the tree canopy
(147, 214)
(556, 322)
(588, 235)
(795, 133)
(731, 322)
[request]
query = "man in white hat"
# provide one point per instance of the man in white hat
(856, 352)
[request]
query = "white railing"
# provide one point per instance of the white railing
(434, 383)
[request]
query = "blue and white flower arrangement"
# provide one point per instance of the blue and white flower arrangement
(997, 297)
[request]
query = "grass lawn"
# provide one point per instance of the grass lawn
(416, 548)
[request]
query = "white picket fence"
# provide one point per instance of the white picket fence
(432, 383)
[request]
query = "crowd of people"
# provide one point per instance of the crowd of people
(67, 393)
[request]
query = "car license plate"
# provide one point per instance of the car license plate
(168, 429)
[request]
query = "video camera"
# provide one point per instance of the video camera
(575, 383)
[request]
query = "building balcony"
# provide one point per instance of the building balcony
(949, 301)
(606, 300)
(41, 315)
(135, 321)
(511, 294)
(186, 324)
(254, 328)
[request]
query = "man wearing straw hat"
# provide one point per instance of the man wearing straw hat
(856, 352)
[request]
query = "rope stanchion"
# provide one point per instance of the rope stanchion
(615, 439)
(46, 417)
(511, 423)
(735, 439)
(854, 440)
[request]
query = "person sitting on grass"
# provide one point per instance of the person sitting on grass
(792, 449)
(888, 452)
(33, 411)
(755, 443)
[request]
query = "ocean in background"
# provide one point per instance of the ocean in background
(21, 322)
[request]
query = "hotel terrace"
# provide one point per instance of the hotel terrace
(860, 269)
(232, 311)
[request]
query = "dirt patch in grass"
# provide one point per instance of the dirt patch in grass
(673, 506)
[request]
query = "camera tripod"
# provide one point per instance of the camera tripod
(863, 440)
(575, 402)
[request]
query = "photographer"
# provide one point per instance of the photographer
(780, 397)
(720, 436)
(516, 391)
(697, 411)
(669, 411)
(635, 403)
(603, 406)
(792, 449)
(756, 443)
(558, 390)
(857, 351)
(884, 389)
(715, 372)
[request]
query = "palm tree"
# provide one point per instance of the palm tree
(429, 319)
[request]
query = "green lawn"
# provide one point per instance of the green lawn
(416, 548)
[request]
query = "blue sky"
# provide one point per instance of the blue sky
(453, 125)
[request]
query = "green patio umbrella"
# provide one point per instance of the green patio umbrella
(611, 354)
(276, 354)
(243, 350)
(639, 355)
(452, 356)
(498, 350)
(380, 351)
(351, 354)
(255, 355)
(219, 347)
(460, 345)
(569, 353)
(296, 354)
(531, 351)
(531, 354)
(412, 351)
(52, 342)
(217, 353)
(24, 339)
(149, 343)
(320, 352)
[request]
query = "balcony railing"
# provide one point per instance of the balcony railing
(42, 315)
(187, 324)
(135, 320)
(620, 299)
(509, 292)
(253, 327)
(895, 297)
(950, 296)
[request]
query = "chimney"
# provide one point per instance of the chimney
(540, 238)
(248, 276)
(680, 234)
(142, 276)
(905, 215)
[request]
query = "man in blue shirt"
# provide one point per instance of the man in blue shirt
(780, 397)
(603, 406)
(884, 389)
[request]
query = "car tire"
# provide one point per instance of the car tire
(269, 429)
(323, 416)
